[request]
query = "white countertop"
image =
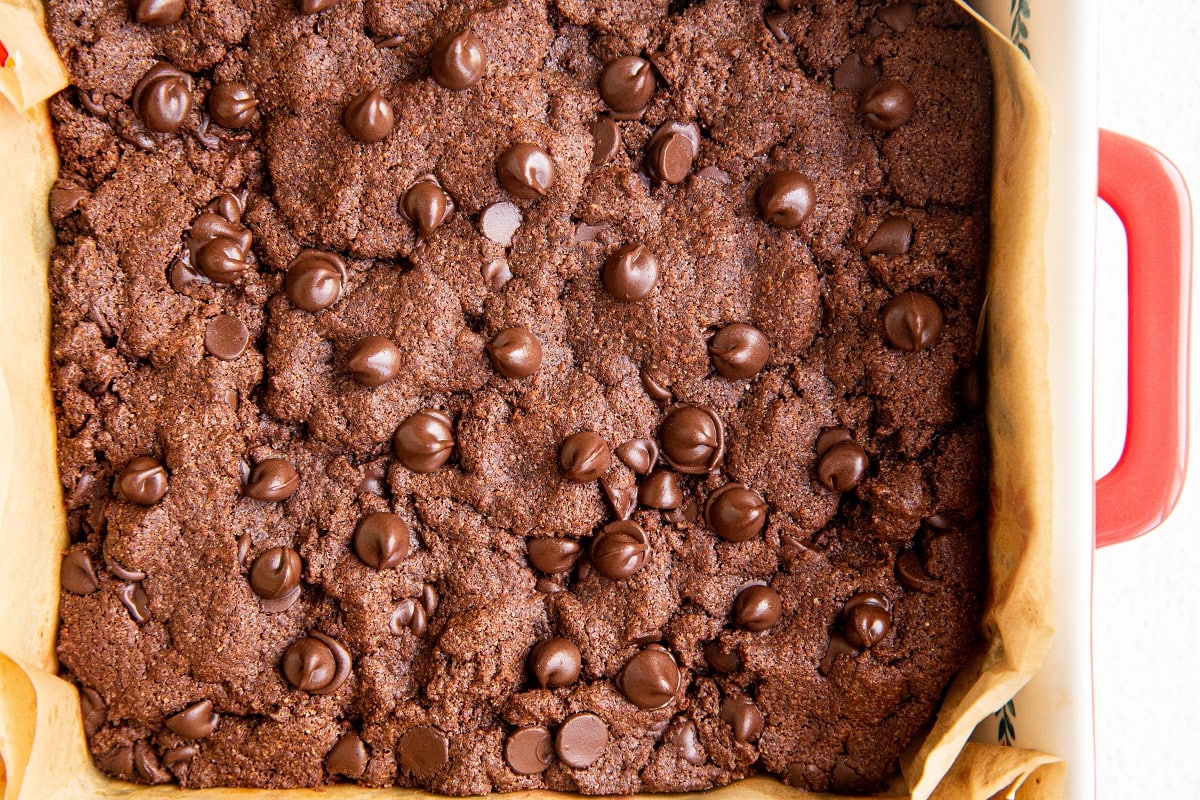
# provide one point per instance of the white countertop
(1146, 625)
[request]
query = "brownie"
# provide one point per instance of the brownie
(489, 395)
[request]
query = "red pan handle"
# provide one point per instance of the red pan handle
(1148, 194)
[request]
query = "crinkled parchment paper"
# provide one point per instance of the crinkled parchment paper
(43, 755)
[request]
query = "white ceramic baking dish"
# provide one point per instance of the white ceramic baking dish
(1054, 712)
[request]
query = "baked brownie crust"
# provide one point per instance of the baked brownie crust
(498, 395)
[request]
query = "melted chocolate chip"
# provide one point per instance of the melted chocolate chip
(898, 16)
(757, 608)
(134, 598)
(555, 663)
(912, 573)
(627, 84)
(662, 490)
(786, 198)
(458, 60)
(427, 204)
(581, 740)
(424, 441)
(381, 540)
(639, 455)
(231, 104)
(157, 13)
(315, 279)
(735, 512)
(650, 679)
(721, 660)
(515, 353)
(893, 237)
(93, 710)
(143, 482)
(226, 337)
(347, 757)
(584, 457)
(606, 140)
(553, 556)
(912, 321)
(854, 76)
(374, 361)
(887, 105)
(272, 480)
(692, 439)
(275, 577)
(65, 200)
(843, 466)
(838, 646)
(163, 98)
(526, 170)
(867, 618)
(619, 550)
(316, 664)
(743, 717)
(195, 722)
(631, 273)
(423, 751)
(529, 751)
(78, 575)
(739, 351)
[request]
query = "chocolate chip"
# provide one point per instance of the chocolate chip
(244, 541)
(619, 550)
(650, 679)
(581, 740)
(231, 104)
(229, 207)
(555, 663)
(221, 260)
(315, 279)
(525, 170)
(656, 386)
(721, 660)
(496, 273)
(887, 105)
(117, 761)
(584, 457)
(898, 16)
(970, 388)
(78, 575)
(409, 615)
(178, 755)
(145, 760)
(639, 455)
(374, 361)
(838, 646)
(786, 198)
(739, 351)
(743, 717)
(131, 575)
(692, 439)
(893, 237)
(912, 573)
(554, 556)
(529, 751)
(272, 480)
(458, 60)
(427, 204)
(775, 20)
(211, 225)
(661, 490)
(226, 337)
(381, 540)
(831, 436)
(369, 116)
(134, 598)
(316, 664)
(685, 740)
(143, 481)
(588, 233)
(627, 84)
(310, 7)
(424, 441)
(843, 466)
(195, 722)
(157, 13)
(275, 577)
(423, 751)
(64, 200)
(93, 710)
(867, 618)
(756, 608)
(631, 273)
(716, 175)
(499, 222)
(515, 353)
(735, 512)
(852, 75)
(672, 151)
(347, 757)
(912, 321)
(606, 140)
(622, 498)
(162, 99)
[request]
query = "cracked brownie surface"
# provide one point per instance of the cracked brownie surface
(481, 396)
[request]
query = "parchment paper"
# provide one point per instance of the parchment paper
(43, 754)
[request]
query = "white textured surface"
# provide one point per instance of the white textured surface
(1146, 628)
